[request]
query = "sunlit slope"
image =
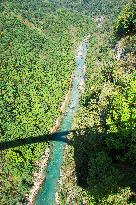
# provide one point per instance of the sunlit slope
(103, 168)
(37, 60)
(93, 7)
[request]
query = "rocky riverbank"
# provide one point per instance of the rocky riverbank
(38, 176)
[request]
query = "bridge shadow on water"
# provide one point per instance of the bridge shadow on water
(57, 136)
(97, 168)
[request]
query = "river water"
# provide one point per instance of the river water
(46, 194)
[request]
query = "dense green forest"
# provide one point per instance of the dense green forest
(101, 164)
(38, 42)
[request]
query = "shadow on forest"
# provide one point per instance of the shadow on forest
(57, 136)
(98, 169)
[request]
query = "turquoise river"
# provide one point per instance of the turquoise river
(46, 194)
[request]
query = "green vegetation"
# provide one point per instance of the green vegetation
(104, 145)
(37, 54)
(126, 20)
(38, 40)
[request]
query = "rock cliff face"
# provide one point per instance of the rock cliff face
(119, 51)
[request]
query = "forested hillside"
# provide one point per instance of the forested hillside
(101, 165)
(38, 42)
